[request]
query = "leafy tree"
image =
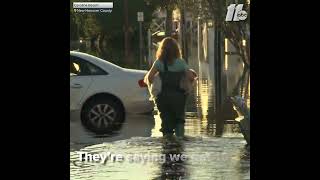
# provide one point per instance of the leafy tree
(108, 29)
(82, 24)
(236, 32)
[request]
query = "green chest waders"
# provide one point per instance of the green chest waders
(171, 103)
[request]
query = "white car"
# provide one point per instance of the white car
(105, 92)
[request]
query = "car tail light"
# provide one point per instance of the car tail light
(141, 83)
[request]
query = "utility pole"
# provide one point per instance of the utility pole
(140, 20)
(126, 33)
(198, 39)
(183, 33)
(218, 70)
(149, 49)
(168, 20)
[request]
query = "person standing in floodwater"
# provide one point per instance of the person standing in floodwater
(171, 101)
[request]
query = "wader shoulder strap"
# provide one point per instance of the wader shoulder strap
(165, 65)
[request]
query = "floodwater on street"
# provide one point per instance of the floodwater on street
(143, 150)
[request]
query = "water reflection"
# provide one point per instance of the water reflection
(133, 126)
(174, 165)
(206, 158)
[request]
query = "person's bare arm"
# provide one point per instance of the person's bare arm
(152, 72)
(191, 74)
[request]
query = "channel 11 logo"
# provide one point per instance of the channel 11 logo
(235, 13)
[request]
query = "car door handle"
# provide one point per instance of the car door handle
(76, 86)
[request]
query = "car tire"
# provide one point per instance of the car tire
(102, 115)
